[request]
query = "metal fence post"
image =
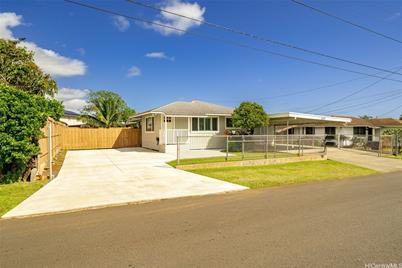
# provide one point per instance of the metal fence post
(299, 150)
(178, 150)
(242, 147)
(380, 145)
(50, 150)
(274, 146)
(266, 147)
(227, 148)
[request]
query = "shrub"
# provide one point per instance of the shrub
(21, 118)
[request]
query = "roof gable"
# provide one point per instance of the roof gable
(190, 108)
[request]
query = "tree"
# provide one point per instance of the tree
(367, 117)
(18, 69)
(400, 117)
(22, 116)
(248, 116)
(106, 109)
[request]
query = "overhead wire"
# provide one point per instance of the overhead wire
(226, 41)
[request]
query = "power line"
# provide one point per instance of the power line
(257, 37)
(346, 21)
(209, 37)
(370, 105)
(376, 101)
(392, 110)
(352, 94)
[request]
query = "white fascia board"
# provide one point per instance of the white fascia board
(294, 115)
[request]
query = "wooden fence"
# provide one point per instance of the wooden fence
(54, 130)
(72, 138)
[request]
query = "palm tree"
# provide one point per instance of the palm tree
(105, 109)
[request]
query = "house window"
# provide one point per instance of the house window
(194, 124)
(214, 124)
(168, 119)
(330, 130)
(201, 124)
(149, 122)
(229, 122)
(291, 131)
(208, 124)
(359, 130)
(204, 124)
(310, 130)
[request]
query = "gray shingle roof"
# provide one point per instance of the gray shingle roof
(190, 108)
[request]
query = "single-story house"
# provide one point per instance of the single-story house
(72, 119)
(161, 126)
(198, 125)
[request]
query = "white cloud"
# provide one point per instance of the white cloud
(121, 23)
(73, 99)
(133, 71)
(193, 10)
(8, 20)
(159, 55)
(48, 60)
(53, 63)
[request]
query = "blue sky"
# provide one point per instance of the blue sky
(87, 50)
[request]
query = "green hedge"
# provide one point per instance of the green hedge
(22, 115)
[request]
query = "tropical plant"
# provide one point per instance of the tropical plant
(367, 117)
(18, 69)
(248, 116)
(106, 109)
(22, 116)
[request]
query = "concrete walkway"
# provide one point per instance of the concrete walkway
(97, 178)
(368, 160)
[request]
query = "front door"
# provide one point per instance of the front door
(169, 122)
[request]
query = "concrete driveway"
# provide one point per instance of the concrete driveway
(365, 159)
(98, 178)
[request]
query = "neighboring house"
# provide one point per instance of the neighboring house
(342, 130)
(385, 123)
(72, 119)
(161, 126)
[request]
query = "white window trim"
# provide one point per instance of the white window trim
(203, 131)
(153, 131)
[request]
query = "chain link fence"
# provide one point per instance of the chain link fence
(383, 145)
(248, 147)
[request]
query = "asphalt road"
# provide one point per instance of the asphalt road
(346, 223)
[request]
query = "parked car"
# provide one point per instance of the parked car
(330, 140)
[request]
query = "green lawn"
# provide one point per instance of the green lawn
(394, 156)
(14, 193)
(281, 174)
(232, 157)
